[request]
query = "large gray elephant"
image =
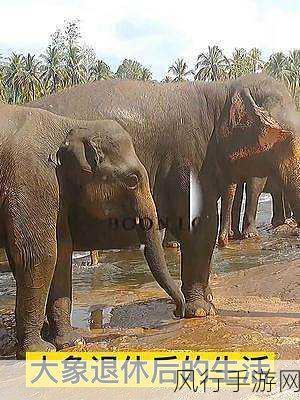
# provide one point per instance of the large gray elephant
(56, 174)
(194, 138)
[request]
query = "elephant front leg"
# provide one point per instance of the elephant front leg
(33, 260)
(193, 222)
(59, 305)
(197, 244)
(197, 248)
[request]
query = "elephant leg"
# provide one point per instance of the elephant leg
(287, 208)
(278, 217)
(236, 211)
(59, 305)
(254, 188)
(196, 252)
(227, 200)
(31, 249)
(95, 257)
(278, 202)
(197, 243)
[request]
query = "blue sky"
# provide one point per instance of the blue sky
(154, 32)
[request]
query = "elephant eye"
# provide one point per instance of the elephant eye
(131, 181)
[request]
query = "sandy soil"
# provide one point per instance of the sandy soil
(258, 309)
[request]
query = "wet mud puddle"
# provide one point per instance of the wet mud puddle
(119, 294)
(121, 287)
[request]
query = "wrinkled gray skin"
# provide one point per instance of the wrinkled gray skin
(231, 204)
(207, 133)
(54, 172)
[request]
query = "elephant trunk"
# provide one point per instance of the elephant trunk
(148, 230)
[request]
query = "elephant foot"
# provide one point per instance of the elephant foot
(250, 232)
(199, 303)
(174, 245)
(277, 222)
(38, 345)
(235, 235)
(68, 338)
(224, 237)
(199, 308)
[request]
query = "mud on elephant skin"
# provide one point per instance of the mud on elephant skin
(54, 170)
(214, 133)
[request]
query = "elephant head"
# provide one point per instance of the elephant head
(99, 157)
(255, 141)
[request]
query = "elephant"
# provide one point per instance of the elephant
(231, 202)
(56, 172)
(194, 138)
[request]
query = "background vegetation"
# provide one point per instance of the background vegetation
(67, 62)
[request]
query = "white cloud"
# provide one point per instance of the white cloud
(178, 30)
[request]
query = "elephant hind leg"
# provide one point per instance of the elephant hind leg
(254, 188)
(278, 217)
(227, 199)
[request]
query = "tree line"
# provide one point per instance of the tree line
(67, 61)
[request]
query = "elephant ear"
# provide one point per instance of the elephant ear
(247, 129)
(79, 144)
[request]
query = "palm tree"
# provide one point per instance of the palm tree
(293, 72)
(212, 65)
(146, 74)
(100, 70)
(32, 83)
(238, 63)
(179, 70)
(53, 73)
(21, 78)
(277, 66)
(74, 61)
(129, 69)
(255, 60)
(167, 79)
(3, 92)
(14, 78)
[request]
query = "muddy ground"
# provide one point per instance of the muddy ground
(258, 309)
(117, 305)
